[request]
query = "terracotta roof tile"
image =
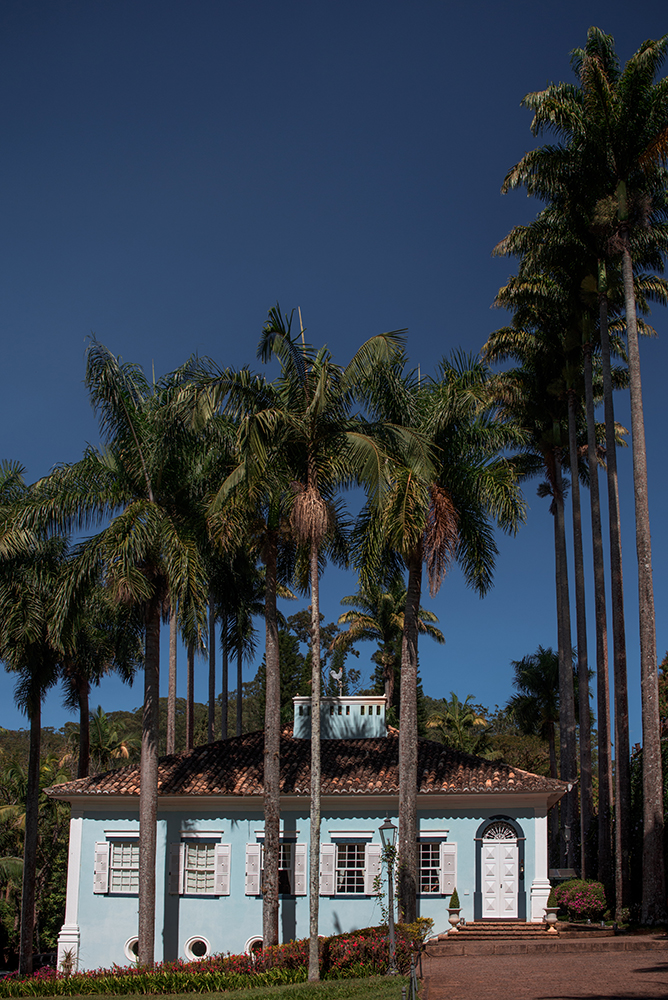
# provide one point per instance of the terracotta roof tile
(235, 767)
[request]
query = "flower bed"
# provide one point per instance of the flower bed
(582, 899)
(360, 954)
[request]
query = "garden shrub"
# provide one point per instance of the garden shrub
(581, 898)
(359, 954)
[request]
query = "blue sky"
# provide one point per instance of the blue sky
(172, 169)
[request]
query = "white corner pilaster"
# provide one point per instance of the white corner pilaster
(69, 937)
(540, 887)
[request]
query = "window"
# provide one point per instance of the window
(124, 866)
(199, 866)
(131, 949)
(291, 868)
(197, 947)
(116, 867)
(430, 868)
(349, 868)
(438, 868)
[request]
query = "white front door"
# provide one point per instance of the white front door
(499, 879)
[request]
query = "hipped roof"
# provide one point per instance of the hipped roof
(349, 767)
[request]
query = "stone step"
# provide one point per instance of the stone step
(438, 954)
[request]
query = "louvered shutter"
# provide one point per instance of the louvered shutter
(448, 868)
(327, 869)
(371, 868)
(253, 852)
(101, 867)
(222, 874)
(299, 878)
(176, 860)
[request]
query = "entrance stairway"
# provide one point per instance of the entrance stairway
(514, 937)
(486, 930)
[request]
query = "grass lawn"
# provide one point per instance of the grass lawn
(374, 988)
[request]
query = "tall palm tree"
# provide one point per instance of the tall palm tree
(150, 551)
(441, 503)
(527, 395)
(310, 421)
(29, 647)
(614, 130)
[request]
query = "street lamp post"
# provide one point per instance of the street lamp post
(388, 837)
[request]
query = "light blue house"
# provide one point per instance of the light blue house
(482, 827)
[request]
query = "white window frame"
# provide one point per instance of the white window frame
(222, 854)
(447, 866)
(255, 867)
(103, 867)
(329, 866)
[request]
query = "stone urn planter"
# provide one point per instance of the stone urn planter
(551, 919)
(453, 919)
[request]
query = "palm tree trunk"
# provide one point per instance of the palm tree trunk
(602, 680)
(30, 843)
(84, 728)
(553, 813)
(621, 728)
(566, 700)
(211, 723)
(408, 743)
(171, 690)
(148, 790)
(240, 681)
(225, 681)
(653, 873)
(272, 754)
(190, 698)
(586, 791)
(314, 860)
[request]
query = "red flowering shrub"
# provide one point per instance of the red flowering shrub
(362, 953)
(581, 898)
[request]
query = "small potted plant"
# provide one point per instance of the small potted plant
(454, 910)
(551, 911)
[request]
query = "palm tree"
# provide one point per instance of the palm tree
(108, 744)
(98, 636)
(536, 706)
(614, 126)
(150, 552)
(28, 648)
(324, 449)
(440, 505)
(527, 395)
(460, 726)
(378, 615)
(547, 297)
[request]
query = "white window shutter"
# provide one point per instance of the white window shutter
(371, 867)
(448, 868)
(222, 876)
(176, 859)
(299, 875)
(253, 853)
(327, 869)
(101, 867)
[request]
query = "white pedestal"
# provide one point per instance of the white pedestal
(68, 943)
(540, 891)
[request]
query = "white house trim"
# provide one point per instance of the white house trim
(69, 938)
(540, 887)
